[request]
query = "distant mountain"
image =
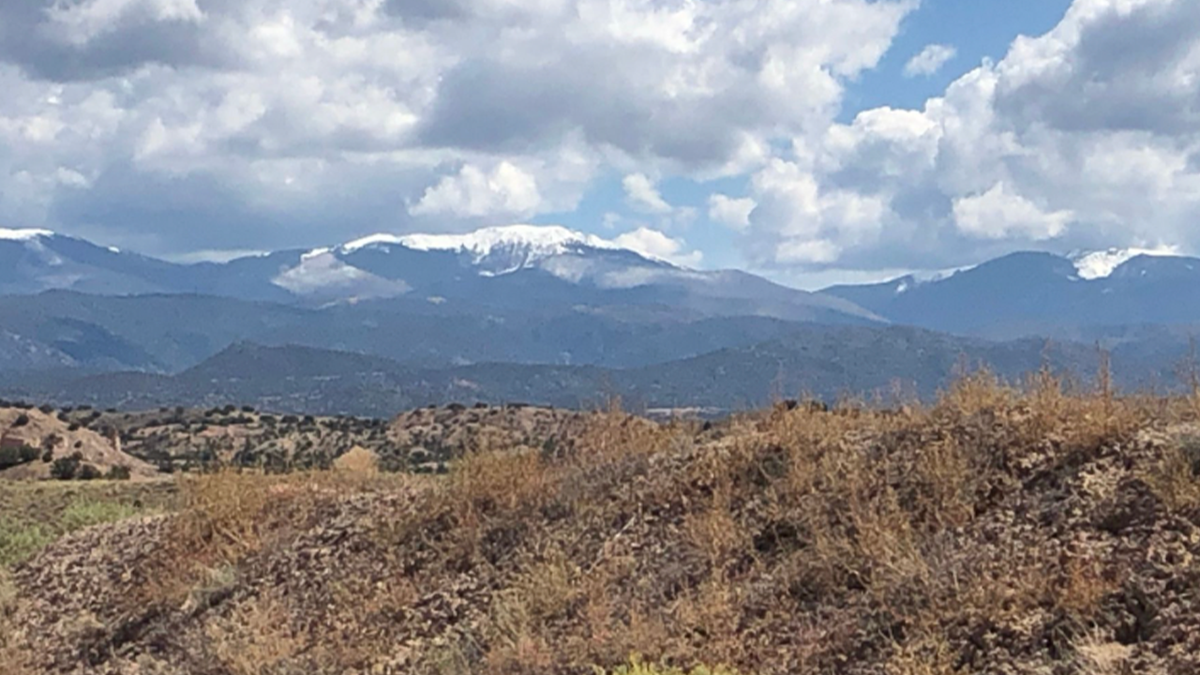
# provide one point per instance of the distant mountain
(512, 267)
(523, 294)
(1042, 294)
(32, 261)
(21, 353)
(824, 361)
(547, 315)
(170, 333)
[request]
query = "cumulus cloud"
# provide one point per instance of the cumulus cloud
(729, 211)
(506, 189)
(170, 126)
(655, 244)
(997, 214)
(1086, 137)
(177, 125)
(929, 60)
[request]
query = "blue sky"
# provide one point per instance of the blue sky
(975, 29)
(787, 137)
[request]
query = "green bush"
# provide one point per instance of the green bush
(89, 472)
(118, 473)
(10, 457)
(66, 468)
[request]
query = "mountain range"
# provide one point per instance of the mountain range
(547, 315)
(1027, 293)
(512, 267)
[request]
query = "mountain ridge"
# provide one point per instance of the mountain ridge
(827, 362)
(507, 266)
(1037, 293)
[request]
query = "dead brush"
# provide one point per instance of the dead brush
(928, 655)
(522, 618)
(9, 653)
(1175, 476)
(974, 393)
(1082, 420)
(615, 620)
(715, 532)
(486, 490)
(946, 480)
(1083, 588)
(501, 482)
(858, 534)
(1099, 654)
(225, 516)
(256, 639)
(713, 614)
(517, 643)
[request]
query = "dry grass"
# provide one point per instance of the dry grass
(227, 516)
(637, 666)
(1175, 477)
(1097, 654)
(797, 540)
(257, 639)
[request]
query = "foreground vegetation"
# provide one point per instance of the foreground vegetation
(1004, 529)
(36, 514)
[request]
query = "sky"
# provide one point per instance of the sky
(812, 141)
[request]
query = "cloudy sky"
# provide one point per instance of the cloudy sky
(810, 140)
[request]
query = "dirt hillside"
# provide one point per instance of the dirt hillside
(997, 532)
(56, 438)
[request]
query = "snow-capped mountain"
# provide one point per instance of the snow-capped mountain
(36, 260)
(498, 250)
(386, 265)
(516, 266)
(1043, 294)
(1092, 265)
(532, 266)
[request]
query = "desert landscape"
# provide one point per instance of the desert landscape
(1000, 529)
(600, 337)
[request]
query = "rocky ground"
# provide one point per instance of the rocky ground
(996, 532)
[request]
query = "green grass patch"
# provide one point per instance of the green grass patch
(20, 540)
(86, 512)
(33, 515)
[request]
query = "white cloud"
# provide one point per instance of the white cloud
(324, 115)
(655, 244)
(1085, 138)
(734, 213)
(643, 195)
(998, 214)
(505, 190)
(929, 60)
(798, 221)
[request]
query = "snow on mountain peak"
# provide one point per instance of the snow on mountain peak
(23, 235)
(542, 240)
(1101, 264)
